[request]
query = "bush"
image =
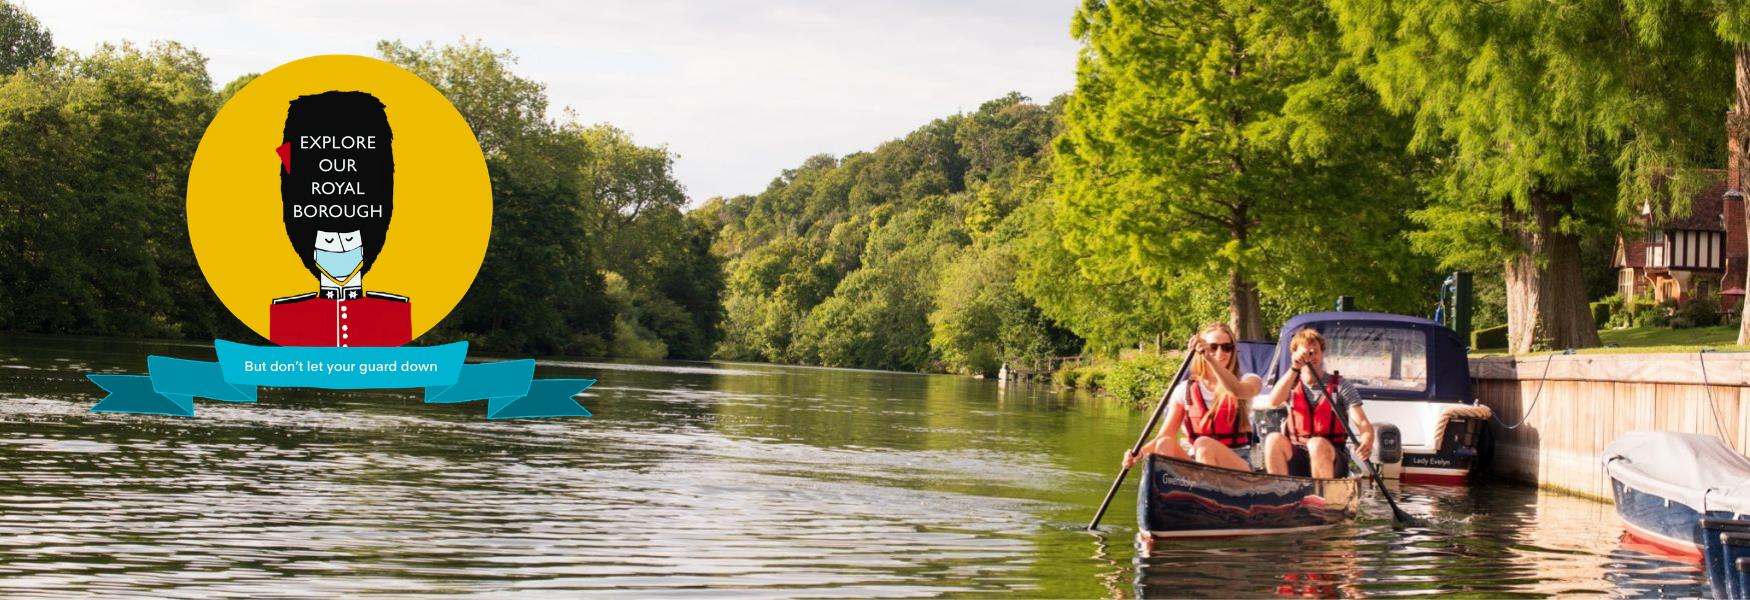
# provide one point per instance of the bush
(1601, 311)
(1700, 312)
(1489, 338)
(1089, 377)
(1064, 376)
(1139, 378)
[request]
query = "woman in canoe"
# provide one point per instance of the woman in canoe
(1213, 406)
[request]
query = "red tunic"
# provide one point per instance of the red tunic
(377, 319)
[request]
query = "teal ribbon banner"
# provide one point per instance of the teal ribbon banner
(509, 387)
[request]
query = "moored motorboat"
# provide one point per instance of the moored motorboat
(1725, 547)
(1411, 372)
(1666, 483)
(1185, 499)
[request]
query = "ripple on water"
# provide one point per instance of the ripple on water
(694, 480)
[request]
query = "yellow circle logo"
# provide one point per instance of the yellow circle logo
(339, 201)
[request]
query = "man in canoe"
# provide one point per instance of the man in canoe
(1314, 434)
(1213, 406)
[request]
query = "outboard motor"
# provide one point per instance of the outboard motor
(1388, 444)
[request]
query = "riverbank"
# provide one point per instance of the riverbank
(1135, 378)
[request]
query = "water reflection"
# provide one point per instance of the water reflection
(694, 479)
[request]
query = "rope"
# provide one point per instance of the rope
(1534, 397)
(1719, 424)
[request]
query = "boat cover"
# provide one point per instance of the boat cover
(1429, 357)
(1255, 357)
(1696, 469)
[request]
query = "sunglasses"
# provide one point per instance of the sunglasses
(1222, 347)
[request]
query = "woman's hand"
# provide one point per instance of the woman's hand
(1129, 459)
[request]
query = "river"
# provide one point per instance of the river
(693, 479)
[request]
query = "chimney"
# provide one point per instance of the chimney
(1732, 212)
(1738, 124)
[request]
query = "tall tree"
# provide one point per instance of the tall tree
(23, 41)
(1228, 143)
(540, 287)
(1532, 109)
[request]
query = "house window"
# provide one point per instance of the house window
(1625, 283)
(1656, 248)
(1704, 289)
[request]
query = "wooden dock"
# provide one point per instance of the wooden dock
(1574, 405)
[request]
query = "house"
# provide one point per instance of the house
(1699, 256)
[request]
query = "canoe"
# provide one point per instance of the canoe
(1666, 483)
(1184, 499)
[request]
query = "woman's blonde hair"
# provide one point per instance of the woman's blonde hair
(1233, 366)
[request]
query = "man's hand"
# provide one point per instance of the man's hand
(1364, 447)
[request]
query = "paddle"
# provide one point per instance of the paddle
(1143, 439)
(1397, 514)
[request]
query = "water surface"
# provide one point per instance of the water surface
(694, 479)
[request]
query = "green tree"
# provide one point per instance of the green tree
(541, 286)
(94, 155)
(1230, 145)
(1533, 112)
(23, 41)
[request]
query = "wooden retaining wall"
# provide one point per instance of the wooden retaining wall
(1587, 400)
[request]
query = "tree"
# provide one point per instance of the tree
(23, 41)
(540, 287)
(1229, 144)
(1531, 109)
(94, 156)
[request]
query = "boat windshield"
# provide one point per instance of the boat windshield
(1379, 358)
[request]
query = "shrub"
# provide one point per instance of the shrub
(1601, 312)
(1089, 377)
(1700, 312)
(1489, 338)
(1139, 378)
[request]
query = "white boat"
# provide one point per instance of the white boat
(1411, 372)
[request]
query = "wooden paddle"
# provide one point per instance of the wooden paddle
(1143, 439)
(1397, 514)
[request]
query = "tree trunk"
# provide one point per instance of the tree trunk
(1546, 295)
(1738, 144)
(1242, 307)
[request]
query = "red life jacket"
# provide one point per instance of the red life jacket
(1225, 426)
(1306, 421)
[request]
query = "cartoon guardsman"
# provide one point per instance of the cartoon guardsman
(337, 184)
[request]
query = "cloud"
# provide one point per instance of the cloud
(739, 90)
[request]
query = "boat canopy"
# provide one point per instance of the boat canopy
(1386, 356)
(1255, 356)
(1693, 468)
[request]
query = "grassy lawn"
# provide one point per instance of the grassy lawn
(1640, 337)
(1654, 339)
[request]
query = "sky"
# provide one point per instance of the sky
(737, 90)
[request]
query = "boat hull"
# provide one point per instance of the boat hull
(1725, 544)
(1185, 499)
(1441, 443)
(1668, 525)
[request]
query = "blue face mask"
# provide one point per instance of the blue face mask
(339, 266)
